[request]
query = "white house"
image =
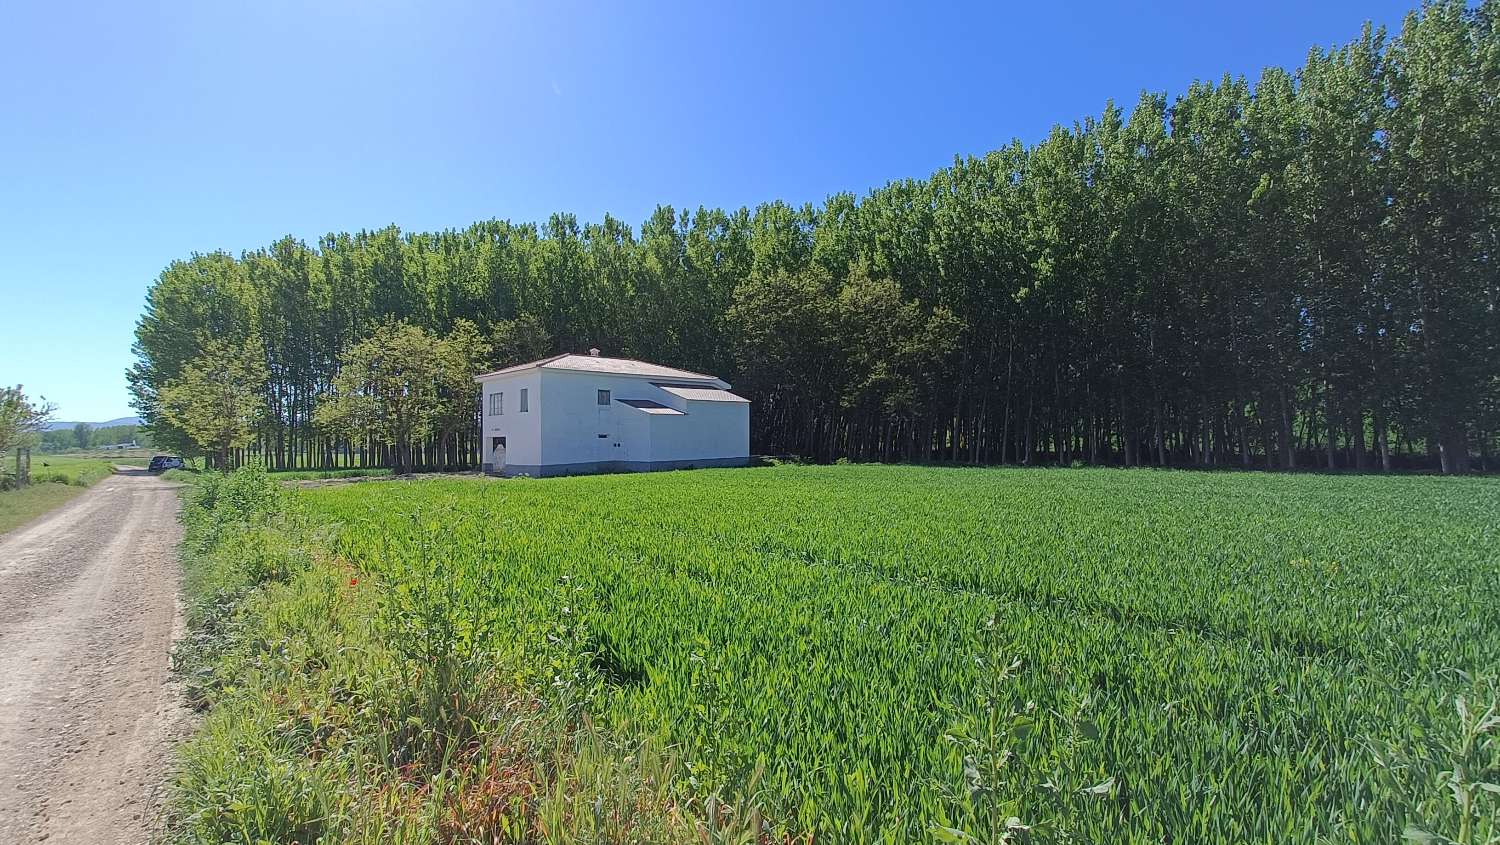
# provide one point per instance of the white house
(573, 414)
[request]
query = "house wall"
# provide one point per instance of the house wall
(635, 432)
(560, 433)
(709, 430)
(575, 419)
(522, 432)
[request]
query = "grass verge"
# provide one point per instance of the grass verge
(54, 482)
(61, 469)
(18, 507)
(189, 473)
(319, 474)
(341, 709)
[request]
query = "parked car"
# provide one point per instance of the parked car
(162, 463)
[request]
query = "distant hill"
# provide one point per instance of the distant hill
(59, 424)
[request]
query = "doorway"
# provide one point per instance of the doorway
(497, 453)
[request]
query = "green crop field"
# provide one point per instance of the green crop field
(910, 654)
(78, 470)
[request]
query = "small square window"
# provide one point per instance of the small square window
(524, 406)
(497, 404)
(604, 397)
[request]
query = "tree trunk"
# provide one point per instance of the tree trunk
(1453, 448)
(1328, 420)
(1288, 445)
(1382, 441)
(1357, 429)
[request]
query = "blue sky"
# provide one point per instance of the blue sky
(135, 133)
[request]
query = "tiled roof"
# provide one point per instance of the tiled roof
(516, 368)
(700, 394)
(597, 364)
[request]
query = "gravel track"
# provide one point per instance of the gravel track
(89, 609)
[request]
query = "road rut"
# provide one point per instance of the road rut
(89, 609)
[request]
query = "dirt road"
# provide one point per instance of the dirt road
(88, 612)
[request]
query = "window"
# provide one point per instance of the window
(604, 397)
(497, 404)
(524, 406)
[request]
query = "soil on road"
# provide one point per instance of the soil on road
(88, 612)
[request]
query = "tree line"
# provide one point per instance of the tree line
(85, 436)
(1295, 273)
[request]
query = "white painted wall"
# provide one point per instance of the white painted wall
(522, 432)
(575, 419)
(635, 432)
(564, 421)
(708, 430)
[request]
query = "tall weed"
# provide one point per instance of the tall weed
(348, 706)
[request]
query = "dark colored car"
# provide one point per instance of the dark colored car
(162, 463)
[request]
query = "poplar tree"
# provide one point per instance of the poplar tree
(1294, 272)
(217, 401)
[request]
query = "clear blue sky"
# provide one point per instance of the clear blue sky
(135, 133)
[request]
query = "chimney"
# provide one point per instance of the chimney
(594, 352)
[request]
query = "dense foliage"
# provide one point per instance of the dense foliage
(895, 654)
(401, 386)
(1291, 273)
